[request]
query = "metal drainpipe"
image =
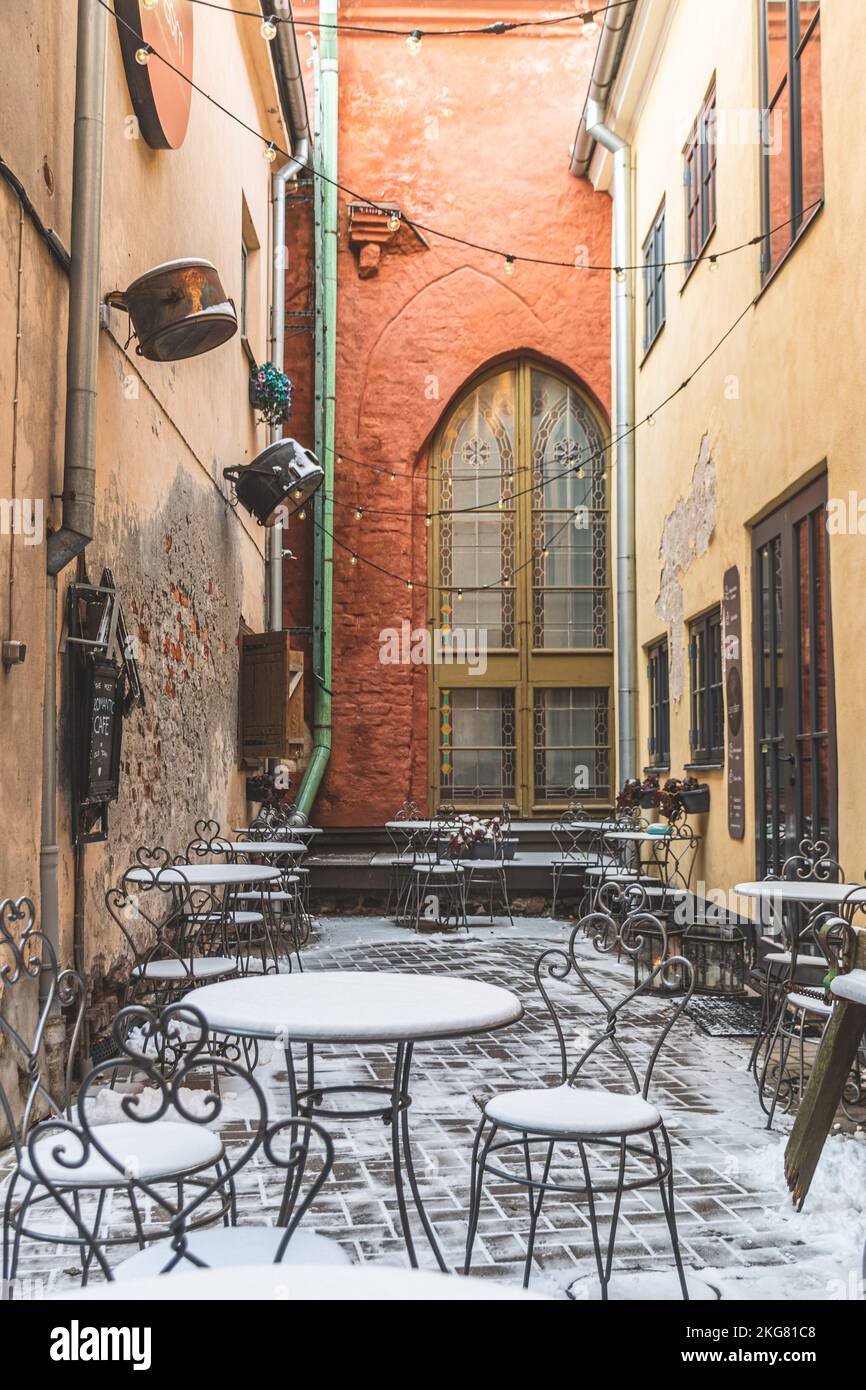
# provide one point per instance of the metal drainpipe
(626, 596)
(290, 83)
(82, 344)
(82, 380)
(326, 315)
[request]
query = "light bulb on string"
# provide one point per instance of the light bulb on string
(409, 584)
(359, 512)
(620, 274)
(590, 24)
(353, 558)
(712, 263)
(302, 515)
(651, 419)
(268, 27)
(142, 55)
(428, 520)
(393, 477)
(509, 265)
(413, 41)
(270, 153)
(394, 222)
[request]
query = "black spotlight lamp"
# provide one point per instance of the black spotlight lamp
(278, 481)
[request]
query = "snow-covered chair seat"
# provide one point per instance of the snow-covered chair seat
(574, 1110)
(190, 967)
(166, 1149)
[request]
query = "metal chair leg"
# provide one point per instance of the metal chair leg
(476, 1184)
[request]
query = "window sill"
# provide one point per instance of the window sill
(703, 767)
(783, 261)
(699, 259)
(657, 767)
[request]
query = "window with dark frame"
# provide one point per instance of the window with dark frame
(707, 732)
(659, 741)
(654, 280)
(245, 261)
(792, 137)
(699, 177)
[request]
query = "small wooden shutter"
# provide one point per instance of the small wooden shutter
(272, 696)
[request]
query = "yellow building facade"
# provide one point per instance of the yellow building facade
(748, 383)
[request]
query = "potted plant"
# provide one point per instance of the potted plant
(271, 394)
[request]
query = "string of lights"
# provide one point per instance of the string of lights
(356, 558)
(143, 55)
(577, 466)
(397, 218)
(587, 17)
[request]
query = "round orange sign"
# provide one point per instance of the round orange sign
(161, 92)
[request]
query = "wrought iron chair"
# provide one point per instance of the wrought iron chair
(174, 932)
(248, 930)
(798, 956)
(575, 1120)
(34, 989)
(183, 1213)
(489, 877)
(608, 861)
(574, 858)
(438, 882)
(802, 1014)
(283, 904)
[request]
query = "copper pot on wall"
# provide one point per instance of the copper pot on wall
(179, 310)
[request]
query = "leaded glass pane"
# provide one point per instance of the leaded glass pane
(477, 745)
(572, 744)
(476, 547)
(569, 519)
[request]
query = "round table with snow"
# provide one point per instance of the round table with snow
(205, 875)
(368, 1283)
(359, 1007)
(264, 848)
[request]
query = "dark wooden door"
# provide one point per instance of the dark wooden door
(795, 723)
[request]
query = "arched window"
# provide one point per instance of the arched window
(521, 595)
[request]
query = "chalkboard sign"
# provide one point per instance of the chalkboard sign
(733, 657)
(102, 723)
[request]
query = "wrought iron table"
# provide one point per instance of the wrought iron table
(359, 1007)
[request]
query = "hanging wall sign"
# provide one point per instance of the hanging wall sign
(103, 719)
(733, 659)
(161, 97)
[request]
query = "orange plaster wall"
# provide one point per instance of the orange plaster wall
(471, 136)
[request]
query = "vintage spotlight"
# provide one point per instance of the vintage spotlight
(278, 481)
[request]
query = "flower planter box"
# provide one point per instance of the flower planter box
(696, 800)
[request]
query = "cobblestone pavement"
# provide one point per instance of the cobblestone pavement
(736, 1224)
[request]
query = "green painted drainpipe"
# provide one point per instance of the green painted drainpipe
(326, 371)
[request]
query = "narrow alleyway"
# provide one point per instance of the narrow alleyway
(737, 1227)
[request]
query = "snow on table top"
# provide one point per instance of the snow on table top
(851, 986)
(356, 1006)
(205, 875)
(310, 1283)
(269, 846)
(299, 830)
(808, 891)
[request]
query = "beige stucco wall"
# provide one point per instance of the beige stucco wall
(780, 397)
(189, 568)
